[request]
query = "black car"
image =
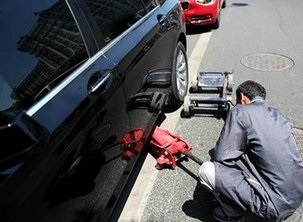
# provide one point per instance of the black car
(82, 83)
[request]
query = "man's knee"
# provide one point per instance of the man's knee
(207, 174)
(206, 170)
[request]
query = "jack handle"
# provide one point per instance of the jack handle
(194, 158)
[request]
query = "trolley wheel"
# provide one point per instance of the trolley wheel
(186, 106)
(229, 97)
(230, 83)
(193, 87)
(227, 107)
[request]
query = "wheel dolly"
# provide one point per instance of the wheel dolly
(219, 84)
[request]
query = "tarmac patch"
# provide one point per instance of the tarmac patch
(298, 132)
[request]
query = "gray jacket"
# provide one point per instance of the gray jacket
(257, 163)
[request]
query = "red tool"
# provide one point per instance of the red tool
(169, 148)
(166, 147)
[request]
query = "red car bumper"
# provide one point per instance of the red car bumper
(200, 14)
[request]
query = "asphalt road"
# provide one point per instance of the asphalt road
(259, 40)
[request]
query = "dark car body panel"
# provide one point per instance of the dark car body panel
(78, 172)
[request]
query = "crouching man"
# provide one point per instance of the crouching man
(256, 167)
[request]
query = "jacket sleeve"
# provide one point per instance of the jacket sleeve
(233, 138)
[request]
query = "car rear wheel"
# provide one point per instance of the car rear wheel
(179, 81)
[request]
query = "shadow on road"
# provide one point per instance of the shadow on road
(201, 206)
(239, 4)
(193, 30)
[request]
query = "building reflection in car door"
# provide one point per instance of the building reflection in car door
(79, 169)
(81, 166)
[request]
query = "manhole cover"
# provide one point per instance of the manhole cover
(299, 139)
(267, 62)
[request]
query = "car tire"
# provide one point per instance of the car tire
(179, 78)
(216, 25)
(224, 4)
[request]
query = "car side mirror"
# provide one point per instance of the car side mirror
(21, 137)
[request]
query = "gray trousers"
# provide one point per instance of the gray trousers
(207, 177)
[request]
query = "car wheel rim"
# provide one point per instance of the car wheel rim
(181, 73)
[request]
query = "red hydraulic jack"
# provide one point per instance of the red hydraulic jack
(169, 149)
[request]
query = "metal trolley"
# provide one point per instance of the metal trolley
(210, 94)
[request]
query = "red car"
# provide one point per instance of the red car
(202, 12)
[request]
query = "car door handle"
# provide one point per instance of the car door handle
(99, 81)
(162, 19)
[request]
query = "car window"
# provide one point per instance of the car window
(150, 4)
(40, 45)
(113, 17)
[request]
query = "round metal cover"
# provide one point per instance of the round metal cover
(267, 62)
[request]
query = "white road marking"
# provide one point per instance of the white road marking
(195, 58)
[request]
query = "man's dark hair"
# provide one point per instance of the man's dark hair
(251, 89)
